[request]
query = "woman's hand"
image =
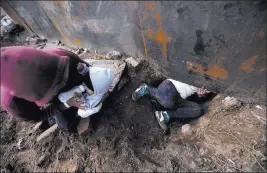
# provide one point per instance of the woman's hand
(76, 101)
(90, 92)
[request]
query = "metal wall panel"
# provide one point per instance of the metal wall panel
(220, 45)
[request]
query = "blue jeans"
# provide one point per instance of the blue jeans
(168, 97)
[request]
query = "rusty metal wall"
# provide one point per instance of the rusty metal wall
(217, 44)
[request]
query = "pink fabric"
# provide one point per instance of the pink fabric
(32, 74)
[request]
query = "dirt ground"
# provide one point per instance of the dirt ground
(125, 137)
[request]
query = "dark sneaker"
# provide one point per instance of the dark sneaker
(161, 120)
(139, 92)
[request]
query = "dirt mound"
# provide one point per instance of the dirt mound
(125, 137)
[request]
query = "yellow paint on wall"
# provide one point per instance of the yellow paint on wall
(247, 66)
(77, 41)
(159, 36)
(214, 71)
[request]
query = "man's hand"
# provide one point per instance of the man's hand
(201, 92)
(77, 102)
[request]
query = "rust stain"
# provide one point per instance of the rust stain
(142, 32)
(247, 65)
(84, 8)
(57, 2)
(149, 31)
(66, 39)
(157, 17)
(77, 41)
(159, 36)
(214, 71)
(84, 3)
(262, 69)
(148, 7)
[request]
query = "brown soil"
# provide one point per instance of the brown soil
(125, 137)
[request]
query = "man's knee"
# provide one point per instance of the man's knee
(199, 110)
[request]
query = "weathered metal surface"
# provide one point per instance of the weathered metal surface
(218, 45)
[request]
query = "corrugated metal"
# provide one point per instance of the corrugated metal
(219, 45)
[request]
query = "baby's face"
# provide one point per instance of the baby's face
(80, 66)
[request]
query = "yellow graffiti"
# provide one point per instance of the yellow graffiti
(214, 71)
(157, 34)
(247, 65)
(77, 41)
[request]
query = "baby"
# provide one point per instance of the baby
(100, 79)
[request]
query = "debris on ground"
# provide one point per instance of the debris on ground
(186, 131)
(113, 55)
(20, 144)
(131, 61)
(8, 27)
(47, 132)
(36, 40)
(230, 103)
(124, 136)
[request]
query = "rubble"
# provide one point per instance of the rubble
(113, 55)
(259, 107)
(186, 131)
(230, 103)
(8, 27)
(19, 144)
(36, 40)
(131, 61)
(47, 133)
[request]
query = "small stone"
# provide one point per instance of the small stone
(46, 133)
(201, 151)
(186, 130)
(230, 103)
(19, 144)
(192, 165)
(131, 61)
(259, 107)
(41, 160)
(113, 55)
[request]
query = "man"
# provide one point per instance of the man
(171, 95)
(31, 80)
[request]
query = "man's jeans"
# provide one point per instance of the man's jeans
(168, 97)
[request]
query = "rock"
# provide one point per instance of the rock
(201, 151)
(259, 107)
(35, 40)
(37, 126)
(4, 170)
(230, 103)
(113, 55)
(124, 80)
(131, 61)
(41, 160)
(19, 144)
(192, 165)
(47, 132)
(186, 130)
